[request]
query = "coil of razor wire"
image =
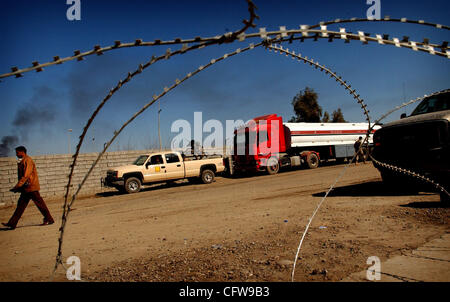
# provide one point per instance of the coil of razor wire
(385, 19)
(240, 35)
(116, 133)
(327, 71)
(407, 172)
(404, 171)
(226, 38)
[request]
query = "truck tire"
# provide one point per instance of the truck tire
(132, 185)
(207, 176)
(312, 160)
(273, 166)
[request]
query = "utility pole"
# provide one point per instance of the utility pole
(68, 138)
(159, 128)
(404, 95)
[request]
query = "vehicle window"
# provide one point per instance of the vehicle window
(433, 104)
(156, 160)
(140, 160)
(172, 158)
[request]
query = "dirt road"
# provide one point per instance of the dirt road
(245, 229)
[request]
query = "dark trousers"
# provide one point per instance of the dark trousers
(24, 199)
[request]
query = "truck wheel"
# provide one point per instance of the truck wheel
(207, 176)
(273, 166)
(312, 160)
(132, 185)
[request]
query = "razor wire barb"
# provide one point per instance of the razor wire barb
(365, 142)
(189, 75)
(282, 35)
(116, 133)
(409, 103)
(365, 112)
(328, 72)
(393, 168)
(177, 82)
(385, 19)
(225, 38)
(401, 170)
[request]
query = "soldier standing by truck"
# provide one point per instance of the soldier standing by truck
(359, 151)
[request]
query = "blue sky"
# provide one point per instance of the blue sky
(248, 85)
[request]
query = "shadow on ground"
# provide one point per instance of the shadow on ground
(20, 226)
(377, 188)
(372, 188)
(426, 205)
(160, 186)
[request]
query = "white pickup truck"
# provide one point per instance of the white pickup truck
(163, 167)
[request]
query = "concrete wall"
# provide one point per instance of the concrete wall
(54, 169)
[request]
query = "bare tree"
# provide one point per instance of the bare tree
(326, 117)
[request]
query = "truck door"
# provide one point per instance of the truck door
(154, 169)
(174, 166)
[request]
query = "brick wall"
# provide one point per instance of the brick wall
(54, 169)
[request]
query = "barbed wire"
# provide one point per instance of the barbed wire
(407, 172)
(395, 169)
(365, 112)
(401, 170)
(98, 50)
(327, 71)
(119, 85)
(283, 35)
(177, 82)
(251, 46)
(112, 91)
(365, 38)
(364, 144)
(241, 36)
(228, 37)
(385, 19)
(421, 98)
(166, 89)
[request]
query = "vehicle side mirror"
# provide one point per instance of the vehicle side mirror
(403, 116)
(146, 165)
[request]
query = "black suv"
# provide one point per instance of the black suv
(419, 143)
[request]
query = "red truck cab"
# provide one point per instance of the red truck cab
(258, 141)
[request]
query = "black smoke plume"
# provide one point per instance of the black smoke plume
(7, 144)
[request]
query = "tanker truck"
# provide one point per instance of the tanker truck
(267, 144)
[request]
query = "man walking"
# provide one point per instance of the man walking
(28, 186)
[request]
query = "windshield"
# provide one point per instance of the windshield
(140, 160)
(433, 104)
